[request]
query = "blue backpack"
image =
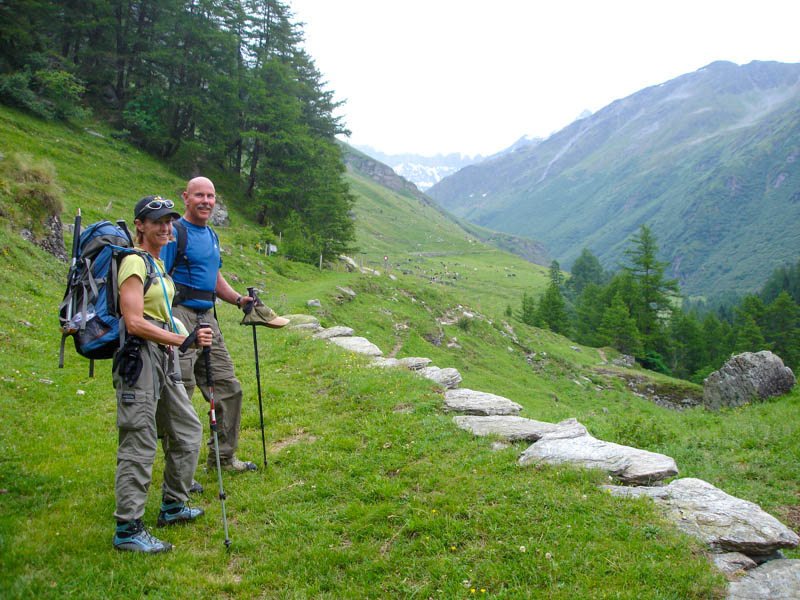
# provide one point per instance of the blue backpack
(89, 312)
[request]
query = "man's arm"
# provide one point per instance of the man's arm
(225, 292)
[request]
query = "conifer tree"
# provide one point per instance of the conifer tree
(618, 328)
(653, 304)
(552, 312)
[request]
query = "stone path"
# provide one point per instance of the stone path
(745, 542)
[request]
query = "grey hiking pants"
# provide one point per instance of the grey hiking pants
(155, 406)
(227, 389)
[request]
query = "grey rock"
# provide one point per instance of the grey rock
(448, 378)
(381, 361)
(733, 563)
(315, 303)
(346, 291)
(332, 332)
(357, 344)
(509, 427)
(623, 360)
(415, 363)
(300, 319)
(724, 522)
(775, 580)
(746, 377)
(569, 445)
(479, 403)
(219, 218)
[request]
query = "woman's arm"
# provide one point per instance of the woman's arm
(131, 304)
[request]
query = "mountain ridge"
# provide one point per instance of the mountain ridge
(693, 157)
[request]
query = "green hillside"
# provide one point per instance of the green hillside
(707, 160)
(371, 491)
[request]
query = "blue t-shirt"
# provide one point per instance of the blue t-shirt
(202, 252)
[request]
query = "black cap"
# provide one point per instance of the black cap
(160, 207)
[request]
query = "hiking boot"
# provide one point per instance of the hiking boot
(195, 488)
(177, 512)
(233, 465)
(132, 535)
(239, 465)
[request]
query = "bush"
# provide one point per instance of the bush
(29, 194)
(47, 93)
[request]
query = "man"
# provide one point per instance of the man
(198, 280)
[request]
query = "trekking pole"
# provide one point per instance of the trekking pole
(212, 417)
(251, 291)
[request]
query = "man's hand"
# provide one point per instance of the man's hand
(204, 336)
(243, 302)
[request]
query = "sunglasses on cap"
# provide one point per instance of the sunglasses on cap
(155, 205)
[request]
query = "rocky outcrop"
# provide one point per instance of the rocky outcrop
(725, 523)
(746, 377)
(571, 443)
(52, 239)
(479, 403)
(775, 580)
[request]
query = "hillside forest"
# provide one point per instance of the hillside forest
(639, 311)
(212, 86)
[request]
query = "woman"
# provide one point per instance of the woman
(151, 400)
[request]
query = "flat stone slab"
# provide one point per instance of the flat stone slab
(357, 344)
(303, 322)
(382, 361)
(775, 580)
(448, 378)
(508, 427)
(479, 403)
(415, 363)
(724, 522)
(569, 445)
(332, 332)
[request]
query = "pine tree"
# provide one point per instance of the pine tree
(552, 312)
(528, 309)
(655, 292)
(618, 328)
(585, 270)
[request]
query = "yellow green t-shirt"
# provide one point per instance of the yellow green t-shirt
(155, 305)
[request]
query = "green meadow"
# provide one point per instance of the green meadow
(370, 490)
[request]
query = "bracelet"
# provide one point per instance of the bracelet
(239, 302)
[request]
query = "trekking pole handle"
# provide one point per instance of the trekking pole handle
(207, 359)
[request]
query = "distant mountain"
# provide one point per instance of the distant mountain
(422, 171)
(526, 248)
(709, 160)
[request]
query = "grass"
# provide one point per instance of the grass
(370, 489)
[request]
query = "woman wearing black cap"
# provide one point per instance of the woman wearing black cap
(151, 400)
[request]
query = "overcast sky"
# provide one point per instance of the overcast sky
(468, 76)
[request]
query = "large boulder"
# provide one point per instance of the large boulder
(571, 443)
(724, 522)
(746, 377)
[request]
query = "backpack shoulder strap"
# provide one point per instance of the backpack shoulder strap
(181, 237)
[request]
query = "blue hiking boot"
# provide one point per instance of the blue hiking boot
(177, 512)
(132, 535)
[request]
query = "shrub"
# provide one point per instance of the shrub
(29, 194)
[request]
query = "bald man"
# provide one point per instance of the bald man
(198, 281)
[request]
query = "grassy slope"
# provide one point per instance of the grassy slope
(371, 491)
